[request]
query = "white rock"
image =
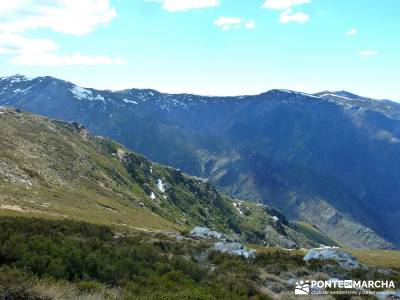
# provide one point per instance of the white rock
(234, 249)
(161, 186)
(345, 260)
(275, 219)
(204, 232)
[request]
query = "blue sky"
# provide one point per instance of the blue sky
(211, 47)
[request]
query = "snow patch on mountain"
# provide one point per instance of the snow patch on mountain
(85, 94)
(298, 94)
(337, 96)
(81, 93)
(129, 101)
(161, 186)
(238, 206)
(16, 78)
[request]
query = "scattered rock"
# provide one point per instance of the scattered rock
(204, 232)
(224, 245)
(275, 219)
(292, 281)
(386, 272)
(234, 249)
(345, 260)
(15, 175)
(12, 207)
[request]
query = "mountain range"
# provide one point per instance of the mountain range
(58, 170)
(330, 159)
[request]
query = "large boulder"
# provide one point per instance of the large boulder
(344, 259)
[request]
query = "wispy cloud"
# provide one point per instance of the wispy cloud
(283, 4)
(226, 23)
(250, 25)
(288, 15)
(185, 5)
(367, 53)
(351, 32)
(42, 52)
(62, 16)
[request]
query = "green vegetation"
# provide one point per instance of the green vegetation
(145, 266)
(314, 234)
(56, 170)
(266, 226)
(64, 259)
(54, 175)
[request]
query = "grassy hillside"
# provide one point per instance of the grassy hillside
(378, 258)
(55, 169)
(51, 169)
(312, 232)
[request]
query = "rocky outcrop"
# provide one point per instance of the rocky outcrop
(223, 244)
(344, 259)
(234, 249)
(204, 232)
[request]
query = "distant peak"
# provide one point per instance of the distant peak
(341, 94)
(17, 78)
(136, 90)
(291, 92)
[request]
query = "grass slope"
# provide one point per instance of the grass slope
(313, 233)
(57, 170)
(377, 258)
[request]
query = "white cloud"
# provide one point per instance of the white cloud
(283, 4)
(367, 53)
(288, 16)
(250, 25)
(226, 23)
(41, 52)
(19, 17)
(351, 32)
(15, 44)
(64, 16)
(183, 5)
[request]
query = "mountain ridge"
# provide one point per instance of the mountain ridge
(54, 169)
(206, 136)
(343, 93)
